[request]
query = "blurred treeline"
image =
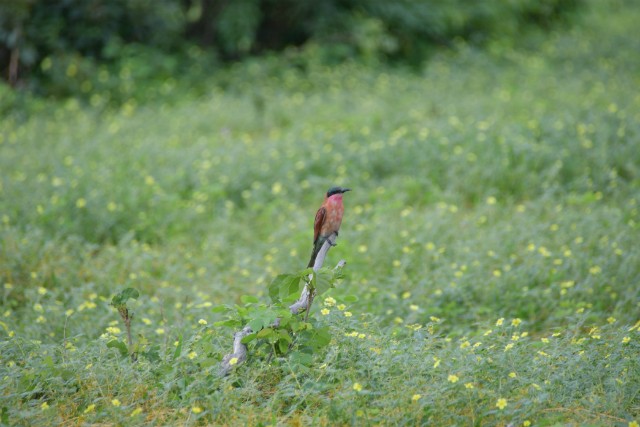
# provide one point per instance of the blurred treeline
(74, 47)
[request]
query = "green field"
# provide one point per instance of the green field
(491, 239)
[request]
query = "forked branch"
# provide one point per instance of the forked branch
(303, 303)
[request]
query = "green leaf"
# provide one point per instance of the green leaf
(247, 339)
(120, 299)
(256, 324)
(283, 346)
(323, 280)
(230, 323)
(122, 347)
(220, 309)
(284, 335)
(319, 338)
(247, 299)
(264, 333)
(284, 285)
(301, 358)
(350, 298)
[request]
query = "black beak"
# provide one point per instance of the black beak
(344, 190)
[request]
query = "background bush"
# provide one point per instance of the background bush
(71, 47)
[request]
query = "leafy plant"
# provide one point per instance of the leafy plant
(119, 302)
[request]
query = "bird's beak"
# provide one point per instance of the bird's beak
(344, 190)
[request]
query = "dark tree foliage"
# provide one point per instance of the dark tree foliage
(37, 32)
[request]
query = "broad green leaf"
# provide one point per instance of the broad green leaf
(122, 347)
(249, 338)
(283, 346)
(320, 338)
(284, 335)
(122, 297)
(264, 333)
(246, 299)
(231, 323)
(350, 298)
(284, 285)
(220, 309)
(301, 358)
(256, 324)
(323, 281)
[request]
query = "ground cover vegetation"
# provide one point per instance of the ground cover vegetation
(490, 238)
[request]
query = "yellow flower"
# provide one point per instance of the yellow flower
(347, 314)
(468, 385)
(42, 290)
(81, 203)
(453, 378)
(114, 330)
(626, 340)
(325, 311)
(329, 302)
(611, 320)
(341, 306)
(357, 387)
(491, 200)
(595, 270)
(512, 375)
(633, 424)
(115, 402)
(500, 321)
(501, 403)
(44, 406)
(416, 397)
(436, 362)
(196, 409)
(136, 411)
(526, 423)
(146, 321)
(90, 408)
(516, 322)
(233, 361)
(202, 322)
(160, 331)
(192, 355)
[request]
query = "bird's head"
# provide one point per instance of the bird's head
(337, 190)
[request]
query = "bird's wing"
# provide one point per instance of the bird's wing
(317, 225)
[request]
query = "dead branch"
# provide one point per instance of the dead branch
(303, 303)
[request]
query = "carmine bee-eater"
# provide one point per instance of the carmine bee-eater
(328, 219)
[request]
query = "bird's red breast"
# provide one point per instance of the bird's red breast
(329, 216)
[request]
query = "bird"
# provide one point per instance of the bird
(327, 220)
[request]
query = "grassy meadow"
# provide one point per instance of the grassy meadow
(491, 241)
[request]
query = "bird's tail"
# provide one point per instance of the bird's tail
(316, 248)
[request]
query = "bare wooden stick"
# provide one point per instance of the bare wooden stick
(303, 303)
(239, 354)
